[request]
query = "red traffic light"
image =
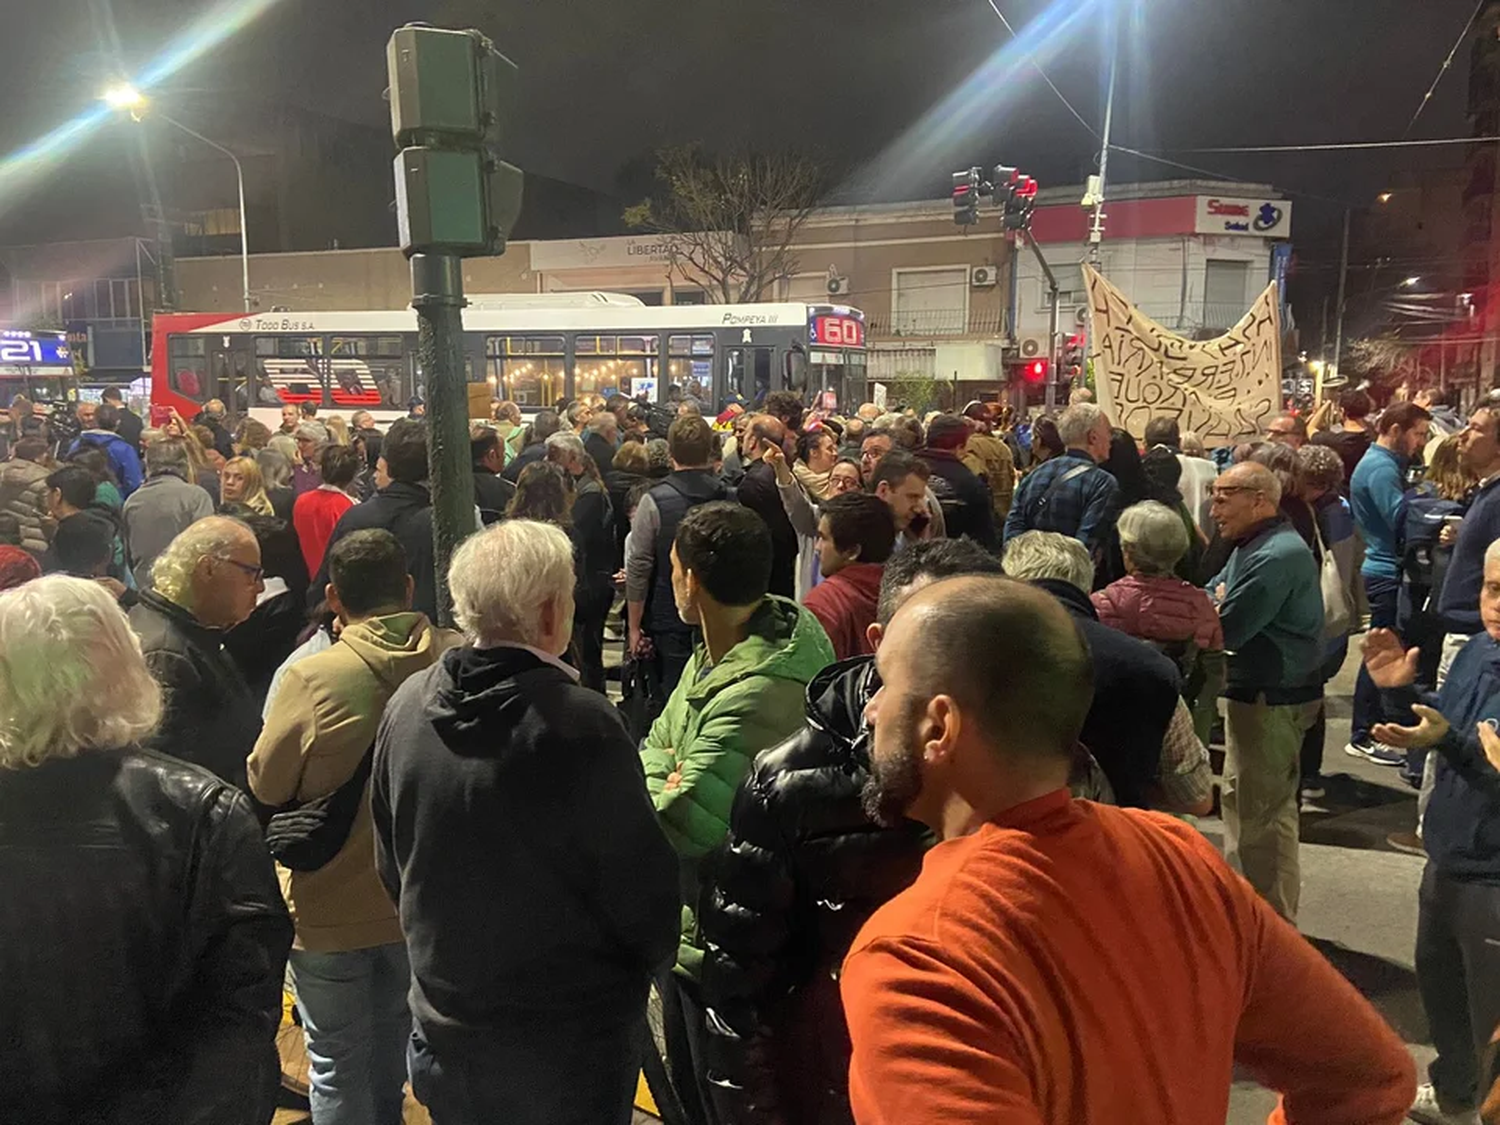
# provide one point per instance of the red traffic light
(1026, 189)
(1035, 371)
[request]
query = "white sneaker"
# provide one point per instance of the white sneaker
(1427, 1110)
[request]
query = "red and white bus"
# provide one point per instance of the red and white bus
(537, 357)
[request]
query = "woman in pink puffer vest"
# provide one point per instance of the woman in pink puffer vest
(1153, 604)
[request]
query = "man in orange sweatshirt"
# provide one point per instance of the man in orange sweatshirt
(1059, 961)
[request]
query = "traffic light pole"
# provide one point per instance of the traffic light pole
(437, 295)
(1054, 365)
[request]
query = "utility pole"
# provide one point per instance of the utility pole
(1096, 231)
(1054, 362)
(450, 93)
(1338, 332)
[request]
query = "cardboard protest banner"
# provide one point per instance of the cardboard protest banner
(1225, 389)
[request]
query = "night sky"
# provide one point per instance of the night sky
(880, 86)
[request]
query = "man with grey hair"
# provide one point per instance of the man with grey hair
(165, 506)
(205, 583)
(534, 913)
(1271, 606)
(311, 438)
(1137, 727)
(1070, 493)
(143, 940)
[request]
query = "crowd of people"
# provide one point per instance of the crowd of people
(889, 814)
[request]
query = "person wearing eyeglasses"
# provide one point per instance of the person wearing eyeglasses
(1271, 608)
(205, 582)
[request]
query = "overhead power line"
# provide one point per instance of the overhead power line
(1442, 70)
(1037, 66)
(1336, 146)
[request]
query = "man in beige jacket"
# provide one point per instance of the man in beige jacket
(348, 962)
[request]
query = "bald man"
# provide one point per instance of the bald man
(759, 493)
(1059, 960)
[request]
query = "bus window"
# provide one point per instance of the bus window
(690, 366)
(796, 371)
(748, 375)
(530, 371)
(187, 360)
(607, 365)
(368, 372)
(290, 366)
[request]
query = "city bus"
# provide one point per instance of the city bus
(536, 357)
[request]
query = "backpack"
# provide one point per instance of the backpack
(1423, 513)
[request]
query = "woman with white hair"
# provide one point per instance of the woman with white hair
(1152, 603)
(144, 937)
(538, 895)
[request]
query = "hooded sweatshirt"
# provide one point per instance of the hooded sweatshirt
(123, 459)
(323, 719)
(844, 604)
(719, 717)
(536, 892)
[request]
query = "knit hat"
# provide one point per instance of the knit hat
(17, 566)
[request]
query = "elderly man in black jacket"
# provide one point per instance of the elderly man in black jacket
(143, 937)
(801, 870)
(204, 583)
(536, 891)
(1138, 727)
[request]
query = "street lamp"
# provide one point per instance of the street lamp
(126, 98)
(1410, 281)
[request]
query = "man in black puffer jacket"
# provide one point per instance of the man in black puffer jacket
(801, 870)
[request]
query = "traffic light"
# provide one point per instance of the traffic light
(1034, 371)
(1072, 357)
(1019, 203)
(1005, 180)
(451, 97)
(966, 191)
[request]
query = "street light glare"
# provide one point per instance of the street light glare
(123, 95)
(1384, 197)
(1411, 281)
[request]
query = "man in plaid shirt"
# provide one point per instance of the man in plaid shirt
(1070, 493)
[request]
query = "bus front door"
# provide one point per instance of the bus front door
(232, 364)
(747, 373)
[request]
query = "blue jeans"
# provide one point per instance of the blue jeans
(354, 1014)
(1384, 595)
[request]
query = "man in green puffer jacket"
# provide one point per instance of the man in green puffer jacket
(742, 692)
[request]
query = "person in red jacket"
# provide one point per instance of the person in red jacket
(1059, 960)
(317, 511)
(1152, 604)
(856, 534)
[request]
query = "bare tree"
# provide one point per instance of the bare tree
(731, 219)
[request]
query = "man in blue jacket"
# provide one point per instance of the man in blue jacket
(1458, 906)
(124, 462)
(1377, 494)
(1272, 611)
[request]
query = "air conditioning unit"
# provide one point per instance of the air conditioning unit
(838, 286)
(983, 277)
(1032, 347)
(1081, 316)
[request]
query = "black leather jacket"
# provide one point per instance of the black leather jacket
(799, 873)
(142, 945)
(209, 715)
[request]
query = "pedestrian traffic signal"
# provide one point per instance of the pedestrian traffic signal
(966, 191)
(1034, 371)
(1004, 181)
(451, 96)
(1072, 357)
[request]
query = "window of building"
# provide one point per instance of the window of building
(690, 365)
(368, 372)
(930, 302)
(1224, 285)
(530, 371)
(187, 366)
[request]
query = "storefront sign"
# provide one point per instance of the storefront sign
(602, 253)
(1257, 218)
